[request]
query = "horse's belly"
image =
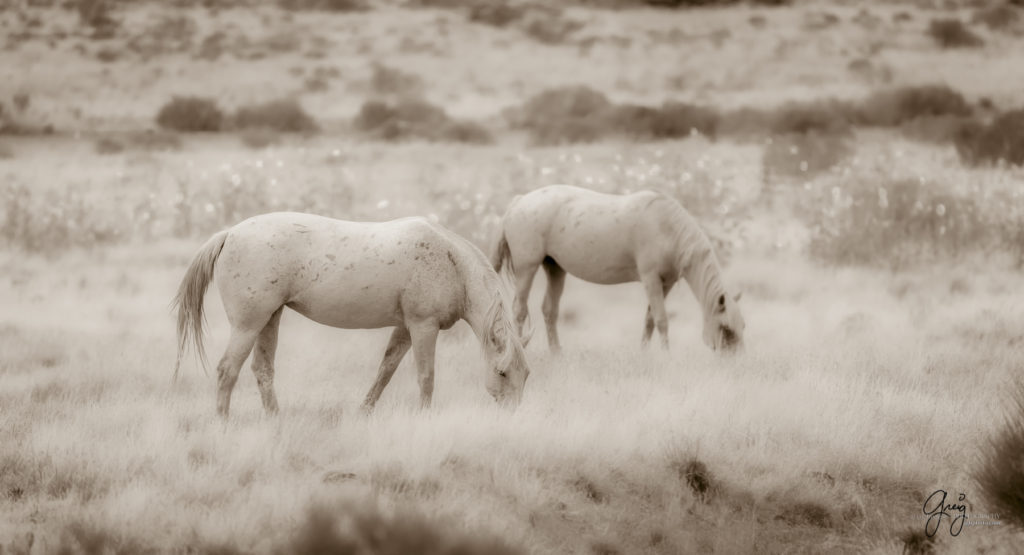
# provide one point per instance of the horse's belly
(595, 264)
(354, 307)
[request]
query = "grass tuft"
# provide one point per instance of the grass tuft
(1001, 476)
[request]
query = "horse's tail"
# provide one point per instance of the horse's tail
(501, 254)
(189, 300)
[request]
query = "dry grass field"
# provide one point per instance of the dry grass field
(880, 275)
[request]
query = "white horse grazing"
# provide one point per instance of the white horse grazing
(603, 238)
(408, 273)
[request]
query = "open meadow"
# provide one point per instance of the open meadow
(878, 246)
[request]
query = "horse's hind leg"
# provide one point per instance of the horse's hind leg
(239, 345)
(524, 281)
(556, 284)
(649, 319)
(424, 343)
(656, 291)
(263, 361)
(398, 345)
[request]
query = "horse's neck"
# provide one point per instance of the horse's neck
(478, 301)
(701, 271)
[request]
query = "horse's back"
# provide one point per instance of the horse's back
(337, 272)
(594, 236)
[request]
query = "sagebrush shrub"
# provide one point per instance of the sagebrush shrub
(825, 117)
(411, 118)
(328, 530)
(496, 14)
(1002, 139)
(679, 119)
(952, 33)
(387, 80)
(326, 5)
(564, 115)
(285, 115)
(998, 17)
(900, 105)
(191, 113)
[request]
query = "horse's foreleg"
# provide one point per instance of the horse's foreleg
(648, 327)
(398, 345)
(424, 342)
(524, 281)
(656, 292)
(556, 284)
(263, 361)
(239, 345)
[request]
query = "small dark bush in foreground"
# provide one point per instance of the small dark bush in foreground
(1003, 139)
(372, 532)
(952, 33)
(1001, 476)
(897, 106)
(325, 5)
(416, 119)
(916, 542)
(191, 113)
(285, 115)
(805, 513)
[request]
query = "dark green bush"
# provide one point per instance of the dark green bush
(191, 113)
(285, 115)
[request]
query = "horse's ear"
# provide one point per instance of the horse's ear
(737, 297)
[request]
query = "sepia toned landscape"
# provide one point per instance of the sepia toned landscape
(857, 166)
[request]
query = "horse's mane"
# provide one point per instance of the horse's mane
(498, 316)
(697, 259)
(502, 328)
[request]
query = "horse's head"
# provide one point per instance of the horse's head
(723, 325)
(506, 362)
